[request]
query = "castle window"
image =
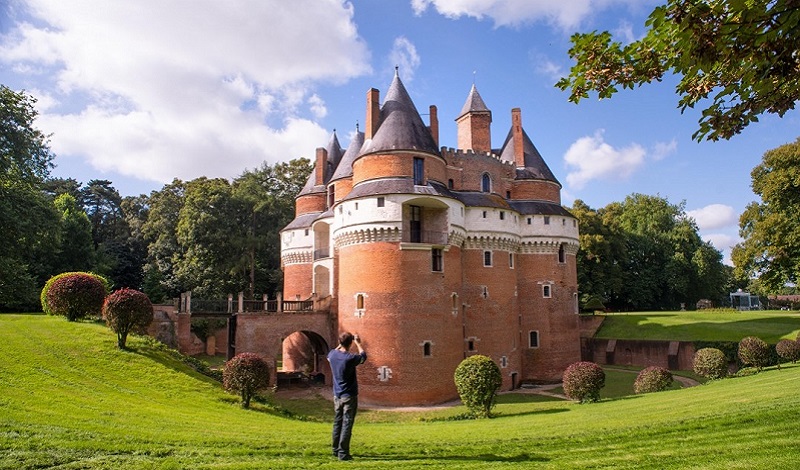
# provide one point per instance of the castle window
(419, 171)
(471, 344)
(356, 206)
(485, 293)
(547, 220)
(502, 215)
(546, 291)
(381, 202)
(529, 220)
(426, 349)
(564, 222)
(484, 214)
(415, 224)
(533, 339)
(511, 260)
(436, 260)
(562, 257)
(306, 232)
(331, 196)
(360, 305)
(504, 362)
(454, 298)
(574, 223)
(508, 194)
(450, 183)
(487, 258)
(486, 183)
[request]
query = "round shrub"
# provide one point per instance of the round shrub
(477, 380)
(710, 363)
(74, 295)
(652, 379)
(127, 311)
(788, 349)
(583, 380)
(754, 352)
(246, 374)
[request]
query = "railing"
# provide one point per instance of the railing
(188, 304)
(322, 253)
(432, 237)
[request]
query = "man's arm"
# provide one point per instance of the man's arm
(361, 352)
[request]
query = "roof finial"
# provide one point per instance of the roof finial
(396, 71)
(356, 126)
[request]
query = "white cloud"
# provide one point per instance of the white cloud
(663, 149)
(566, 14)
(714, 216)
(591, 158)
(723, 242)
(404, 54)
(159, 90)
(317, 105)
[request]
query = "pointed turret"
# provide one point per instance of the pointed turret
(400, 126)
(345, 167)
(519, 149)
(334, 153)
(474, 124)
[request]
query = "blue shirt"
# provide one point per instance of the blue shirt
(343, 366)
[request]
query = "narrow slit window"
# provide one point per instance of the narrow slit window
(487, 258)
(436, 260)
(426, 349)
(533, 339)
(381, 202)
(546, 291)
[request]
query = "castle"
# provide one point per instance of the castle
(435, 254)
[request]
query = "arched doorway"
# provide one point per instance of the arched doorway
(304, 358)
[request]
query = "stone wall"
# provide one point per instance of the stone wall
(674, 355)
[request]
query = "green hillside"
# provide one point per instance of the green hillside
(70, 400)
(771, 326)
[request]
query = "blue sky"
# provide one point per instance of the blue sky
(143, 92)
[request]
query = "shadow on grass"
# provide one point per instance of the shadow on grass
(519, 458)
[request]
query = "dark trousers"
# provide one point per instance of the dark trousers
(344, 415)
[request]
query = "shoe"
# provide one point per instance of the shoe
(346, 457)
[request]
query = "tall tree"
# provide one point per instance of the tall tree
(75, 249)
(742, 55)
(771, 229)
(645, 253)
(28, 219)
(160, 232)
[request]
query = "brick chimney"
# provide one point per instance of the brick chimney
(320, 166)
(373, 113)
(516, 130)
(434, 127)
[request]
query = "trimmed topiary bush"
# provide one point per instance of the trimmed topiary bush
(711, 363)
(477, 380)
(754, 352)
(583, 380)
(74, 295)
(127, 311)
(788, 349)
(652, 379)
(246, 374)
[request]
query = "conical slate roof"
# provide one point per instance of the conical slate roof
(334, 152)
(400, 126)
(474, 103)
(345, 167)
(535, 167)
(334, 157)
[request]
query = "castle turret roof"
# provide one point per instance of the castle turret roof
(535, 166)
(334, 153)
(400, 126)
(345, 167)
(474, 103)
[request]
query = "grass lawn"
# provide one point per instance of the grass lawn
(69, 399)
(771, 326)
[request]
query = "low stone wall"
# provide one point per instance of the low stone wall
(674, 355)
(175, 330)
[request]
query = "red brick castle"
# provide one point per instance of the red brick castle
(435, 254)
